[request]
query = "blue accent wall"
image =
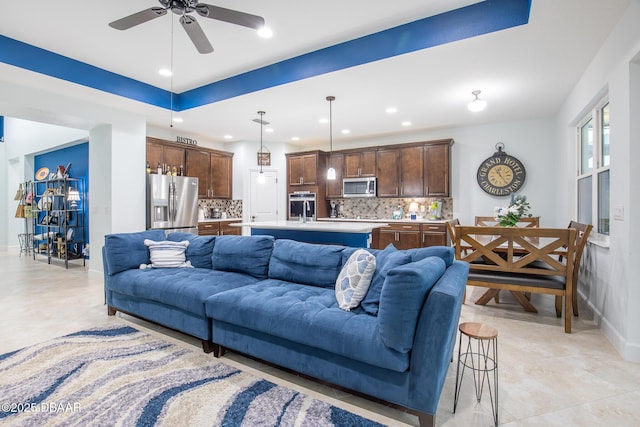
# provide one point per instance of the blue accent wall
(78, 156)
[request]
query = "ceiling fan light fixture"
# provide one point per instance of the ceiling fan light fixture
(477, 104)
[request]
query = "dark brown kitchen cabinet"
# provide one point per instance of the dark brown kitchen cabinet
(388, 178)
(437, 162)
(218, 228)
(334, 186)
(197, 164)
(402, 236)
(164, 154)
(412, 172)
(434, 235)
(303, 169)
(221, 171)
(361, 164)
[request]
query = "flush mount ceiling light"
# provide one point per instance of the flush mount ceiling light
(331, 172)
(477, 104)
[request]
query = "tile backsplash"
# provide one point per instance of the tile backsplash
(383, 208)
(233, 208)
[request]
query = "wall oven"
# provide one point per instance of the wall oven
(301, 203)
(359, 187)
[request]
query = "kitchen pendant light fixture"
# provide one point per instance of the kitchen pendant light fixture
(331, 172)
(477, 104)
(261, 178)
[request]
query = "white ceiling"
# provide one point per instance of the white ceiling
(523, 72)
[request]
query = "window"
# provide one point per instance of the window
(593, 169)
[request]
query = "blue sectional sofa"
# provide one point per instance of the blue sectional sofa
(276, 300)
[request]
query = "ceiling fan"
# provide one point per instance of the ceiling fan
(189, 23)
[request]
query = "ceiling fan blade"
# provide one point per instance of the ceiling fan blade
(195, 33)
(229, 15)
(138, 18)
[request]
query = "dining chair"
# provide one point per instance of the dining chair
(582, 235)
(490, 221)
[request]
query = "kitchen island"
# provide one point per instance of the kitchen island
(357, 234)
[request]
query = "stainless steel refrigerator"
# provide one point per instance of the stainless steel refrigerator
(172, 203)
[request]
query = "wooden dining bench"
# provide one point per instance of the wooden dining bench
(521, 260)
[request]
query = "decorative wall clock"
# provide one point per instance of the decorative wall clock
(501, 174)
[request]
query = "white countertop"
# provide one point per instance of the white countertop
(218, 219)
(387, 221)
(327, 226)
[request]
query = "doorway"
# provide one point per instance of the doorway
(263, 198)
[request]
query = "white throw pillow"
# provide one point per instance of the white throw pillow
(167, 254)
(354, 279)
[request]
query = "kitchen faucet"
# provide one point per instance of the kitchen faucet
(305, 206)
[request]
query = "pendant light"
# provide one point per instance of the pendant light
(331, 172)
(261, 178)
(477, 104)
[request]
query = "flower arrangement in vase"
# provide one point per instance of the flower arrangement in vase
(509, 216)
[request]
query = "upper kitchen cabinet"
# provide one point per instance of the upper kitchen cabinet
(360, 164)
(213, 168)
(388, 179)
(411, 172)
(437, 162)
(220, 176)
(214, 172)
(197, 164)
(414, 170)
(164, 153)
(334, 186)
(303, 168)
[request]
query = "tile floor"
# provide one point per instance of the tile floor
(547, 377)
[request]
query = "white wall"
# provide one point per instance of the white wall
(612, 287)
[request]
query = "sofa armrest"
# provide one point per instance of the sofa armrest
(435, 338)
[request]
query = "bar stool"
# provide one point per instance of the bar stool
(482, 362)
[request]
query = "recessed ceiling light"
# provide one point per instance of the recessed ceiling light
(178, 119)
(406, 123)
(345, 131)
(295, 138)
(269, 130)
(165, 72)
(265, 33)
(391, 110)
(228, 137)
(323, 120)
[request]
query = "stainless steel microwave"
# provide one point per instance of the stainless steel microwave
(359, 187)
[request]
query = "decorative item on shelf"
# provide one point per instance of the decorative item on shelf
(148, 167)
(42, 173)
(73, 197)
(331, 172)
(518, 208)
(477, 104)
(261, 178)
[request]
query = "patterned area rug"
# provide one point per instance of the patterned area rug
(121, 376)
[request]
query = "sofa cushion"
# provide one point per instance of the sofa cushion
(185, 288)
(306, 263)
(243, 254)
(127, 250)
(199, 250)
(403, 294)
(386, 259)
(307, 315)
(444, 252)
(354, 279)
(167, 254)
